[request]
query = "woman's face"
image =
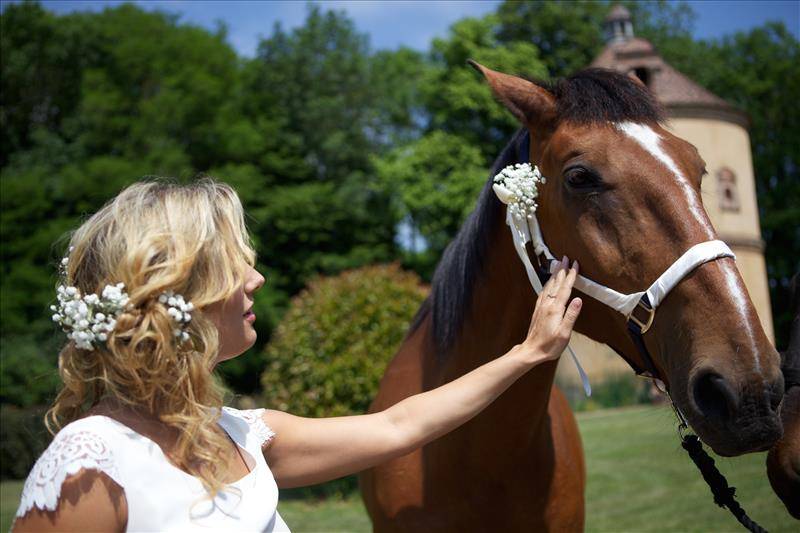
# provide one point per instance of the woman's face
(234, 318)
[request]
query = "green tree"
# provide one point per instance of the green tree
(436, 180)
(325, 212)
(458, 99)
(40, 72)
(569, 35)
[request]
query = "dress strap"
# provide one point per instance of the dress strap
(73, 449)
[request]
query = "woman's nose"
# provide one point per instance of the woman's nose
(256, 281)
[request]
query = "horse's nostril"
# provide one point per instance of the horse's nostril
(714, 397)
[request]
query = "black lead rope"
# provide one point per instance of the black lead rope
(724, 495)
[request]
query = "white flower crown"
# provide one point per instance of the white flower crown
(516, 185)
(88, 319)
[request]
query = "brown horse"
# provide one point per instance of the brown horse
(783, 460)
(623, 198)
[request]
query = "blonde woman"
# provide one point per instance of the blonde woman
(143, 442)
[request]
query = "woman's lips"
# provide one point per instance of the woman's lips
(250, 316)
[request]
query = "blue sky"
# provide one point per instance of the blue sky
(413, 23)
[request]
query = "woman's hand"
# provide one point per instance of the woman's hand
(551, 324)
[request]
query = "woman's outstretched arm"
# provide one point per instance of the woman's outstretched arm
(309, 450)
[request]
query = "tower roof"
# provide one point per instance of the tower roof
(681, 96)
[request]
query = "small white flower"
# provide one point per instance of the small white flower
(516, 185)
(87, 319)
(178, 310)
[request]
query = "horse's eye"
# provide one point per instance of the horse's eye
(582, 179)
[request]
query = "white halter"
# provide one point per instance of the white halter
(526, 230)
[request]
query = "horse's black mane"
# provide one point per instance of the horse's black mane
(587, 97)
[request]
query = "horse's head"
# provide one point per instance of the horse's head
(623, 198)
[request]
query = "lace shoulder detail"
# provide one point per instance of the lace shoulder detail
(72, 449)
(255, 422)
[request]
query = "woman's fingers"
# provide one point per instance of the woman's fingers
(551, 287)
(573, 310)
(565, 288)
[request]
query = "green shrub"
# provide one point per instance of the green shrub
(23, 438)
(332, 346)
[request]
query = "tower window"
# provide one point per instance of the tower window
(727, 191)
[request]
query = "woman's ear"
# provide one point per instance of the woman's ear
(533, 106)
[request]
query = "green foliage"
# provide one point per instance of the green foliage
(23, 438)
(435, 206)
(332, 346)
(567, 35)
(434, 180)
(458, 99)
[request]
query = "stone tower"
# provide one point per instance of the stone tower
(719, 131)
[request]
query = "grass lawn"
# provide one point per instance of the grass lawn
(640, 479)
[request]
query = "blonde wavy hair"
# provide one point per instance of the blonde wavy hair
(154, 236)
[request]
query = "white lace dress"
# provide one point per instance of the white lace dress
(160, 496)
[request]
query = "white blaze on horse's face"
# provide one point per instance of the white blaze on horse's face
(651, 142)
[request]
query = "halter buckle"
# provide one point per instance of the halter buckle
(651, 315)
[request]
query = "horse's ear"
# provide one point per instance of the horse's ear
(534, 106)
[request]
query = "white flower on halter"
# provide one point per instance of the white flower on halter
(516, 185)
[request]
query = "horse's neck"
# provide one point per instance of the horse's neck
(498, 318)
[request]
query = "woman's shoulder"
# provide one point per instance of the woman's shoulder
(84, 444)
(248, 423)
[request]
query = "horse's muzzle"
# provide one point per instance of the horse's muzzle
(731, 418)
